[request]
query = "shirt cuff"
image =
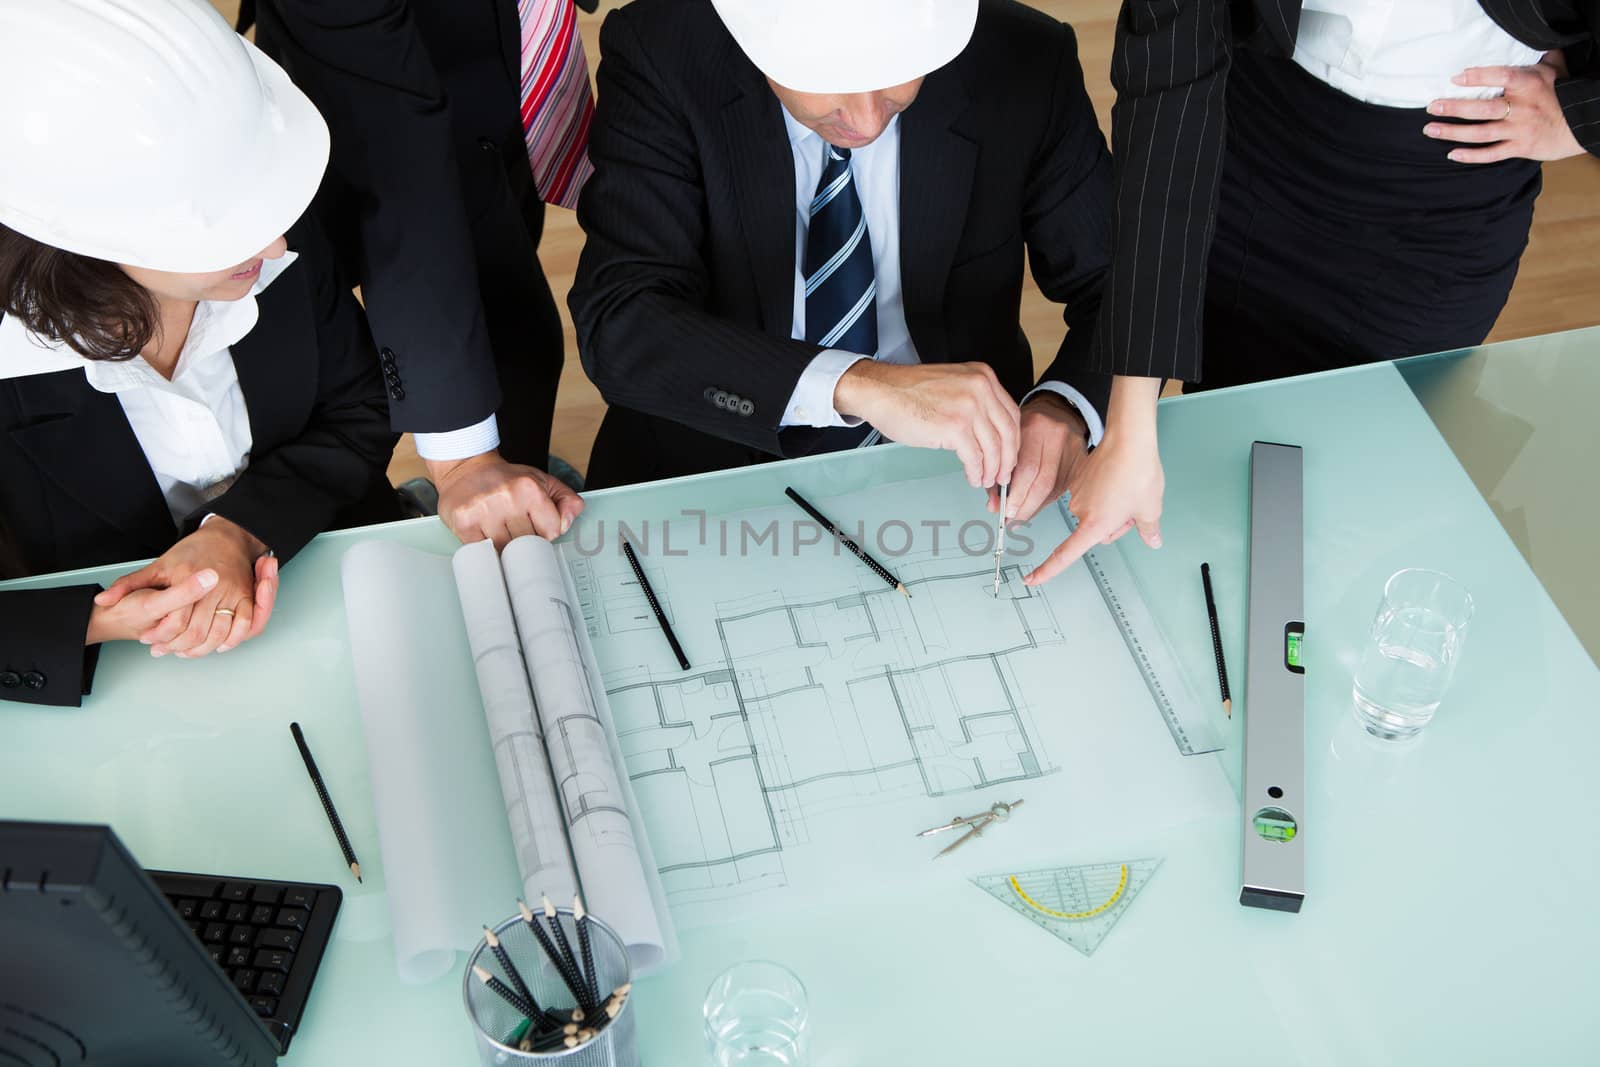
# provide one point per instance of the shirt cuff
(811, 403)
(1091, 417)
(465, 443)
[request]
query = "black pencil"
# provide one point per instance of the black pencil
(580, 919)
(655, 605)
(560, 935)
(859, 552)
(568, 978)
(510, 968)
(327, 801)
(1216, 640)
(504, 992)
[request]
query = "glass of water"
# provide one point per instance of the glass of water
(1411, 653)
(756, 1016)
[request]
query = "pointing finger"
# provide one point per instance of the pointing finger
(1066, 554)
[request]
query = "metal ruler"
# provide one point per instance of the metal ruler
(1190, 721)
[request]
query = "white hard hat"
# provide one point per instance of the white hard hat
(848, 46)
(147, 132)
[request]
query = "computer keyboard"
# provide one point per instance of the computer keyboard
(268, 937)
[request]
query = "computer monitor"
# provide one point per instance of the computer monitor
(96, 967)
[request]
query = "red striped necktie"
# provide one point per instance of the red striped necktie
(557, 103)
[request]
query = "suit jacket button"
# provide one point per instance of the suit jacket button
(10, 679)
(396, 393)
(33, 680)
(721, 399)
(386, 355)
(746, 407)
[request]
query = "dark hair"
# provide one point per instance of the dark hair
(88, 303)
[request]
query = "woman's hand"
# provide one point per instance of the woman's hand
(231, 611)
(1119, 486)
(1524, 123)
(138, 611)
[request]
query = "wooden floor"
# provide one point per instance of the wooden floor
(1558, 287)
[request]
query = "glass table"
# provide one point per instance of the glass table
(1451, 882)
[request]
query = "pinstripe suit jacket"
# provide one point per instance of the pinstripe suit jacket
(685, 289)
(1169, 66)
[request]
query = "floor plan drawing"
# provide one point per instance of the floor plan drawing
(830, 703)
(826, 717)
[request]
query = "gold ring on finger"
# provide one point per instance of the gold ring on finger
(224, 611)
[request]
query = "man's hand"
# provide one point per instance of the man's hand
(244, 580)
(485, 497)
(1525, 123)
(1119, 486)
(956, 406)
(1055, 440)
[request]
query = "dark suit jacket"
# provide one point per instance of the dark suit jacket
(684, 294)
(1169, 67)
(76, 490)
(410, 90)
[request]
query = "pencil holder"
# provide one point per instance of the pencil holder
(496, 1023)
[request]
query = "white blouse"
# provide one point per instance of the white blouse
(1403, 53)
(194, 429)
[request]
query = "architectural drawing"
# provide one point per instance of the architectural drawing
(826, 718)
(830, 703)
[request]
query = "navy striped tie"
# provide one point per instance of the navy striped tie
(840, 287)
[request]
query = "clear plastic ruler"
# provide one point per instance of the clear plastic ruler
(1191, 722)
(1080, 904)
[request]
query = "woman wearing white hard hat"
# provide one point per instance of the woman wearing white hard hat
(174, 380)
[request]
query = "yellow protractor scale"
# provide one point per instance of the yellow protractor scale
(1116, 895)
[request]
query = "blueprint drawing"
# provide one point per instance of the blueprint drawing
(827, 717)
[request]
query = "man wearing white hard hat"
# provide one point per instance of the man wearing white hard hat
(806, 232)
(176, 379)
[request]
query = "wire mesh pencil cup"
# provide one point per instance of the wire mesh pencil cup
(495, 1022)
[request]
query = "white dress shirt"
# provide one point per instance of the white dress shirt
(1403, 53)
(464, 443)
(875, 171)
(194, 430)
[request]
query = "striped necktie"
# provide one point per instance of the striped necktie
(840, 286)
(557, 104)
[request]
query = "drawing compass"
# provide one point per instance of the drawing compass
(1000, 540)
(975, 825)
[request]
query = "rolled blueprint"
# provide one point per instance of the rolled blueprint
(538, 826)
(457, 737)
(609, 850)
(443, 863)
